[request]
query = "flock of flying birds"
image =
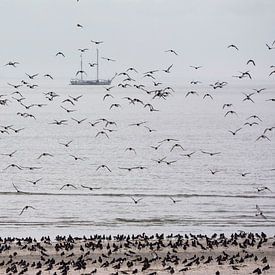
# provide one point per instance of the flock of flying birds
(125, 79)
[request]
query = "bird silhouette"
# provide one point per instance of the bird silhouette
(26, 208)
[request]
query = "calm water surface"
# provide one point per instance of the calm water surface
(206, 203)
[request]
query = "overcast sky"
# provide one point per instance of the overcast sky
(136, 33)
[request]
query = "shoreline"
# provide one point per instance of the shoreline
(239, 253)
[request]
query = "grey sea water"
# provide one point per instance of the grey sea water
(206, 203)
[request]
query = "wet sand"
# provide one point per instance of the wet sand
(240, 253)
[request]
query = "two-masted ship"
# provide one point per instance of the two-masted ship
(97, 81)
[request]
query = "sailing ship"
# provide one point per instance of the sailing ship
(97, 81)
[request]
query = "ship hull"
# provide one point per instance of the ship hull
(90, 82)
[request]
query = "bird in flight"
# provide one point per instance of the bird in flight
(66, 144)
(34, 182)
(168, 69)
(196, 67)
(26, 208)
(251, 61)
(233, 46)
(259, 212)
(171, 51)
(45, 155)
(173, 200)
(60, 53)
(234, 132)
(68, 185)
(210, 153)
(32, 76)
(90, 188)
(108, 59)
(96, 42)
(136, 200)
(103, 166)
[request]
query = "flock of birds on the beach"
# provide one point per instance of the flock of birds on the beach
(137, 254)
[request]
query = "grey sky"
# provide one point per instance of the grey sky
(136, 33)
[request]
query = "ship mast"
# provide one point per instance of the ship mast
(81, 67)
(97, 65)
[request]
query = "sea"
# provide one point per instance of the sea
(175, 189)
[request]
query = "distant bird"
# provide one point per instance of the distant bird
(68, 185)
(177, 145)
(60, 53)
(131, 149)
(12, 63)
(79, 26)
(48, 75)
(251, 61)
(244, 174)
(230, 112)
(207, 95)
(103, 166)
(234, 132)
(137, 124)
(132, 69)
(259, 212)
(251, 124)
(97, 42)
(32, 76)
(34, 182)
(211, 153)
(107, 95)
(66, 144)
(9, 154)
(79, 121)
(80, 72)
(168, 140)
(227, 105)
(263, 137)
(188, 155)
(248, 97)
(255, 117)
(59, 122)
(213, 172)
(171, 51)
(273, 72)
(259, 90)
(68, 110)
(90, 188)
(83, 50)
(191, 93)
(68, 100)
(13, 166)
(173, 200)
(15, 86)
(45, 155)
(108, 59)
(269, 129)
(195, 82)
(114, 105)
(168, 69)
(260, 189)
(76, 158)
(75, 98)
(149, 129)
(269, 47)
(101, 133)
(136, 200)
(233, 46)
(196, 67)
(26, 208)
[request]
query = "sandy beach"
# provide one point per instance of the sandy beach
(240, 253)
